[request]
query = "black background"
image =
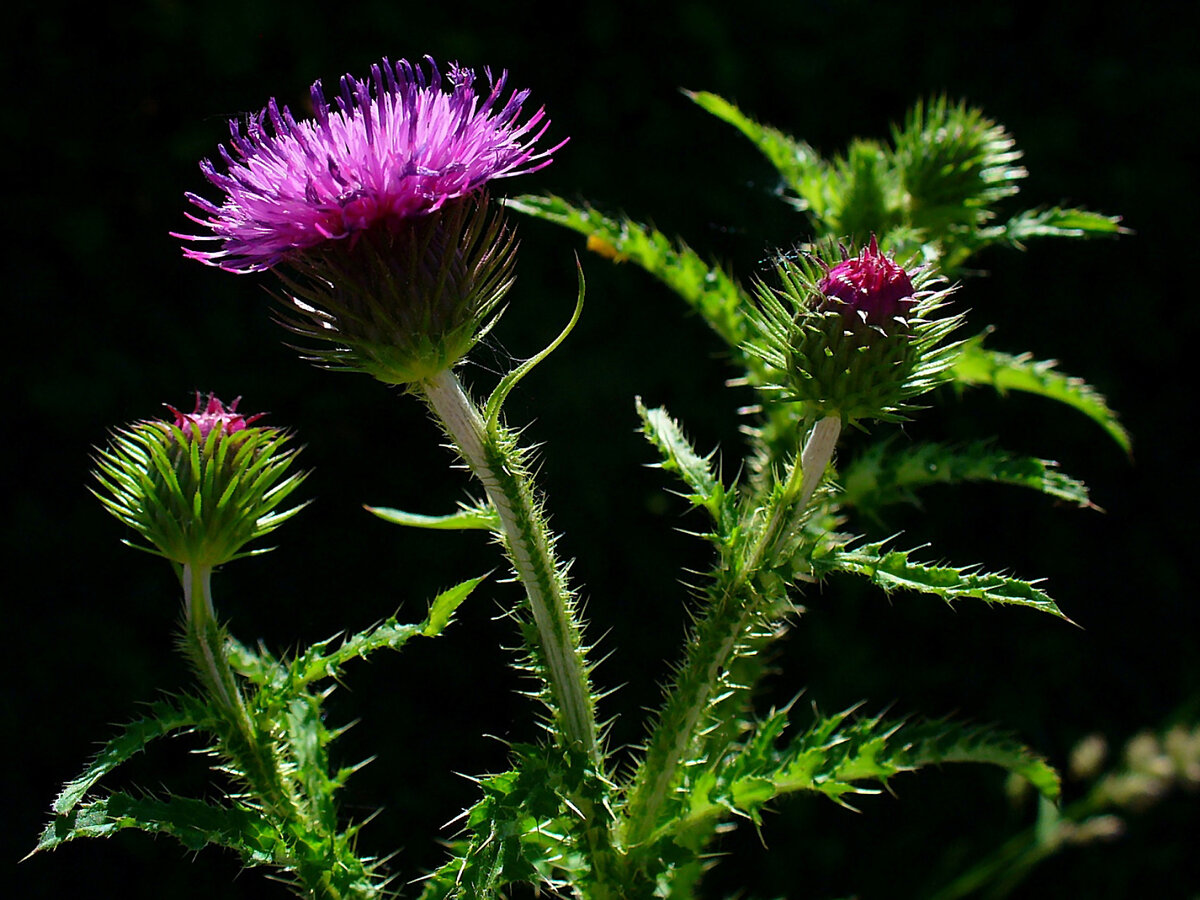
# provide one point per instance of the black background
(110, 112)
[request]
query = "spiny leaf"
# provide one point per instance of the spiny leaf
(1005, 372)
(942, 741)
(445, 603)
(707, 289)
(800, 167)
(195, 823)
(893, 570)
(517, 832)
(1054, 222)
(887, 474)
(835, 761)
(319, 662)
(260, 668)
(165, 717)
(679, 457)
(840, 755)
(315, 663)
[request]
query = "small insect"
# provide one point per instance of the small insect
(597, 244)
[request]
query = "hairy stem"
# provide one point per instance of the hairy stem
(526, 537)
(716, 639)
(205, 641)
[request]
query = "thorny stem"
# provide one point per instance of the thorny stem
(806, 474)
(730, 615)
(529, 548)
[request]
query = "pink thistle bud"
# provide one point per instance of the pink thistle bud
(202, 487)
(857, 338)
(212, 415)
(870, 284)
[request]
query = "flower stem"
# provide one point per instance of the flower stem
(802, 480)
(495, 460)
(814, 459)
(717, 637)
(205, 642)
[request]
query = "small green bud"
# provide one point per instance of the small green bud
(200, 488)
(853, 338)
(406, 300)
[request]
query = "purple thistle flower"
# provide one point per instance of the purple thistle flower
(395, 147)
(213, 415)
(871, 285)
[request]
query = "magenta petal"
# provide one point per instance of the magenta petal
(393, 146)
(870, 284)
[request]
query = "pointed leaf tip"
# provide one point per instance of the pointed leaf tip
(445, 603)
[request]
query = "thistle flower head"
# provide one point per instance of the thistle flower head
(202, 487)
(871, 285)
(392, 147)
(855, 337)
(375, 217)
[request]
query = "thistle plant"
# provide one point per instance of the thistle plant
(392, 259)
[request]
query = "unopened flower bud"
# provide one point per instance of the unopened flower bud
(855, 338)
(200, 488)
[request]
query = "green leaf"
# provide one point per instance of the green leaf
(798, 164)
(319, 662)
(834, 757)
(491, 411)
(518, 832)
(193, 822)
(315, 663)
(260, 668)
(481, 517)
(1006, 372)
(707, 289)
(887, 474)
(679, 457)
(445, 603)
(894, 570)
(937, 742)
(307, 738)
(840, 756)
(1055, 222)
(165, 717)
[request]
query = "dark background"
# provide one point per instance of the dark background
(109, 114)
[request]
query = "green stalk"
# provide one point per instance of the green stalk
(496, 463)
(716, 639)
(207, 644)
(205, 641)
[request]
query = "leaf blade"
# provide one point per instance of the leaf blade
(893, 570)
(1022, 372)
